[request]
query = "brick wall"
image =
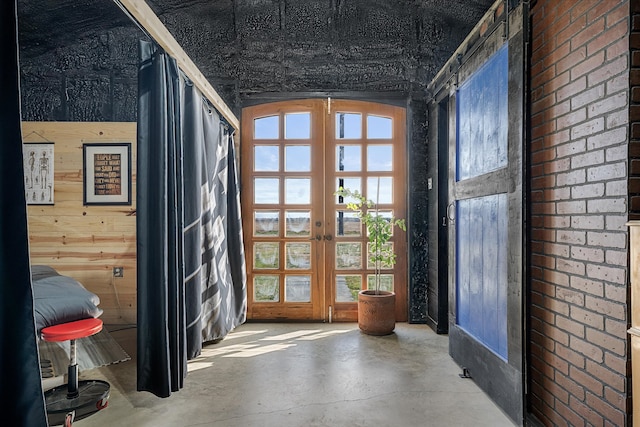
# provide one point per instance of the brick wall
(634, 114)
(579, 154)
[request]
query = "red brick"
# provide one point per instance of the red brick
(571, 237)
(593, 287)
(556, 249)
(586, 380)
(611, 343)
(571, 148)
(571, 178)
(608, 138)
(617, 329)
(608, 104)
(556, 82)
(557, 138)
(616, 258)
(589, 33)
(611, 240)
(556, 166)
(614, 154)
(586, 253)
(543, 314)
(605, 307)
(617, 49)
(558, 109)
(587, 129)
(615, 398)
(586, 317)
(571, 119)
(558, 393)
(587, 159)
(542, 368)
(555, 194)
(607, 172)
(569, 414)
(571, 386)
(587, 191)
(573, 207)
(573, 357)
(607, 71)
(621, 13)
(576, 86)
(590, 64)
(604, 39)
(574, 328)
(591, 222)
(587, 97)
(607, 205)
(591, 416)
(556, 278)
(617, 364)
(557, 221)
(617, 293)
(609, 412)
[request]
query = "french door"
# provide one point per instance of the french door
(306, 253)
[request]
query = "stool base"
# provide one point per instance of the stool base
(93, 396)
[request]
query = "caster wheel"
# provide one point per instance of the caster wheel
(68, 419)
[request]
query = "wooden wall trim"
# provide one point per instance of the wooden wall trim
(156, 29)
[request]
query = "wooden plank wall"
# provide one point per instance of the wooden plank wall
(86, 242)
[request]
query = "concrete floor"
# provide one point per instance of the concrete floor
(283, 374)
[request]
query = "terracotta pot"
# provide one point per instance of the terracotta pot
(376, 312)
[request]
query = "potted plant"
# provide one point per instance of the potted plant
(376, 307)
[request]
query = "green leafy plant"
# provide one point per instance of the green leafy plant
(379, 230)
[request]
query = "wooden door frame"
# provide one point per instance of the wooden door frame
(324, 270)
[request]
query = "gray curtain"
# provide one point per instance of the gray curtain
(191, 277)
(20, 386)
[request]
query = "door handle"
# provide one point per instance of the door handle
(328, 237)
(318, 237)
(444, 221)
(451, 212)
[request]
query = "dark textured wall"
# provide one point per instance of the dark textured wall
(79, 63)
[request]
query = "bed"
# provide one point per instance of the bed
(60, 299)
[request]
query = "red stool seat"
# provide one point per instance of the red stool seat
(72, 330)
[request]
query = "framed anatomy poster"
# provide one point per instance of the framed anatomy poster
(38, 172)
(107, 173)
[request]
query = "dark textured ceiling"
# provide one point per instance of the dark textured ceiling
(79, 57)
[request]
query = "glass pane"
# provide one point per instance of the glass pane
(266, 288)
(353, 184)
(297, 158)
(385, 280)
(385, 252)
(297, 126)
(297, 288)
(266, 190)
(266, 255)
(266, 158)
(348, 126)
(347, 224)
(386, 190)
(266, 128)
(347, 287)
(297, 191)
(298, 224)
(380, 158)
(349, 255)
(266, 223)
(379, 127)
(298, 256)
(348, 158)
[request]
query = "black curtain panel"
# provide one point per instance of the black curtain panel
(224, 296)
(161, 328)
(21, 395)
(191, 275)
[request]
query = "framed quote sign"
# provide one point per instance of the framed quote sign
(107, 173)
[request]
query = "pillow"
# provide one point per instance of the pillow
(61, 299)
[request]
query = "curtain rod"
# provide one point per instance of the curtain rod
(152, 26)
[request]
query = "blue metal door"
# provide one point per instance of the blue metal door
(485, 257)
